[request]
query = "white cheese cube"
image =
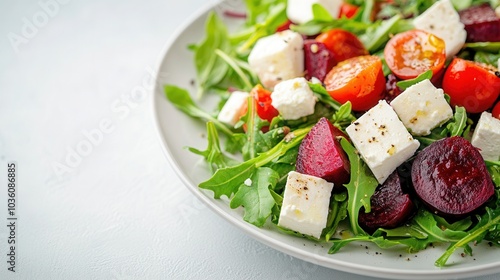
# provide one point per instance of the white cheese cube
(382, 140)
(234, 108)
(300, 11)
(442, 20)
(305, 204)
(422, 107)
(486, 137)
(278, 57)
(293, 99)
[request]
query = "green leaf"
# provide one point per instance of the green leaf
(494, 170)
(227, 181)
(213, 153)
(492, 47)
(487, 58)
(459, 124)
(427, 75)
(211, 69)
(181, 99)
(488, 221)
(320, 13)
(257, 199)
(379, 33)
(360, 188)
(338, 212)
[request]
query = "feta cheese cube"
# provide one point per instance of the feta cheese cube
(278, 57)
(300, 11)
(234, 108)
(442, 20)
(293, 99)
(382, 140)
(422, 107)
(305, 204)
(486, 137)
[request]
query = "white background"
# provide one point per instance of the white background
(96, 198)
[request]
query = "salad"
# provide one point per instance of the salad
(355, 121)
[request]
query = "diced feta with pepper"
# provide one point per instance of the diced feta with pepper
(442, 20)
(305, 204)
(278, 57)
(293, 99)
(422, 107)
(300, 11)
(486, 137)
(382, 140)
(234, 108)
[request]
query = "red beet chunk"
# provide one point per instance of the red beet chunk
(451, 178)
(321, 155)
(481, 23)
(390, 207)
(318, 60)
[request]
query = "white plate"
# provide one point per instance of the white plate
(176, 131)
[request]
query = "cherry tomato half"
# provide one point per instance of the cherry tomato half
(411, 53)
(343, 44)
(348, 10)
(496, 111)
(471, 84)
(263, 100)
(359, 80)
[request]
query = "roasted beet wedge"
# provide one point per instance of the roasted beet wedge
(321, 155)
(390, 207)
(451, 178)
(318, 59)
(481, 23)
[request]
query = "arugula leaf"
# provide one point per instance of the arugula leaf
(494, 170)
(459, 124)
(320, 13)
(213, 153)
(378, 34)
(338, 212)
(427, 75)
(236, 65)
(264, 17)
(487, 58)
(257, 199)
(226, 181)
(492, 47)
(360, 188)
(211, 69)
(488, 221)
(181, 99)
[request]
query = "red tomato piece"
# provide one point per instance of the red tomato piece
(414, 52)
(343, 44)
(348, 10)
(496, 111)
(263, 100)
(359, 80)
(472, 85)
(284, 26)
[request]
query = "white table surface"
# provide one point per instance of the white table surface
(115, 209)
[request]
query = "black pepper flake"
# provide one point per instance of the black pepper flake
(497, 73)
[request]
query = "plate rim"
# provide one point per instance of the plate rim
(357, 269)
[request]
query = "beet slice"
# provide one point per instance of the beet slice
(318, 60)
(321, 155)
(390, 207)
(481, 23)
(451, 178)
